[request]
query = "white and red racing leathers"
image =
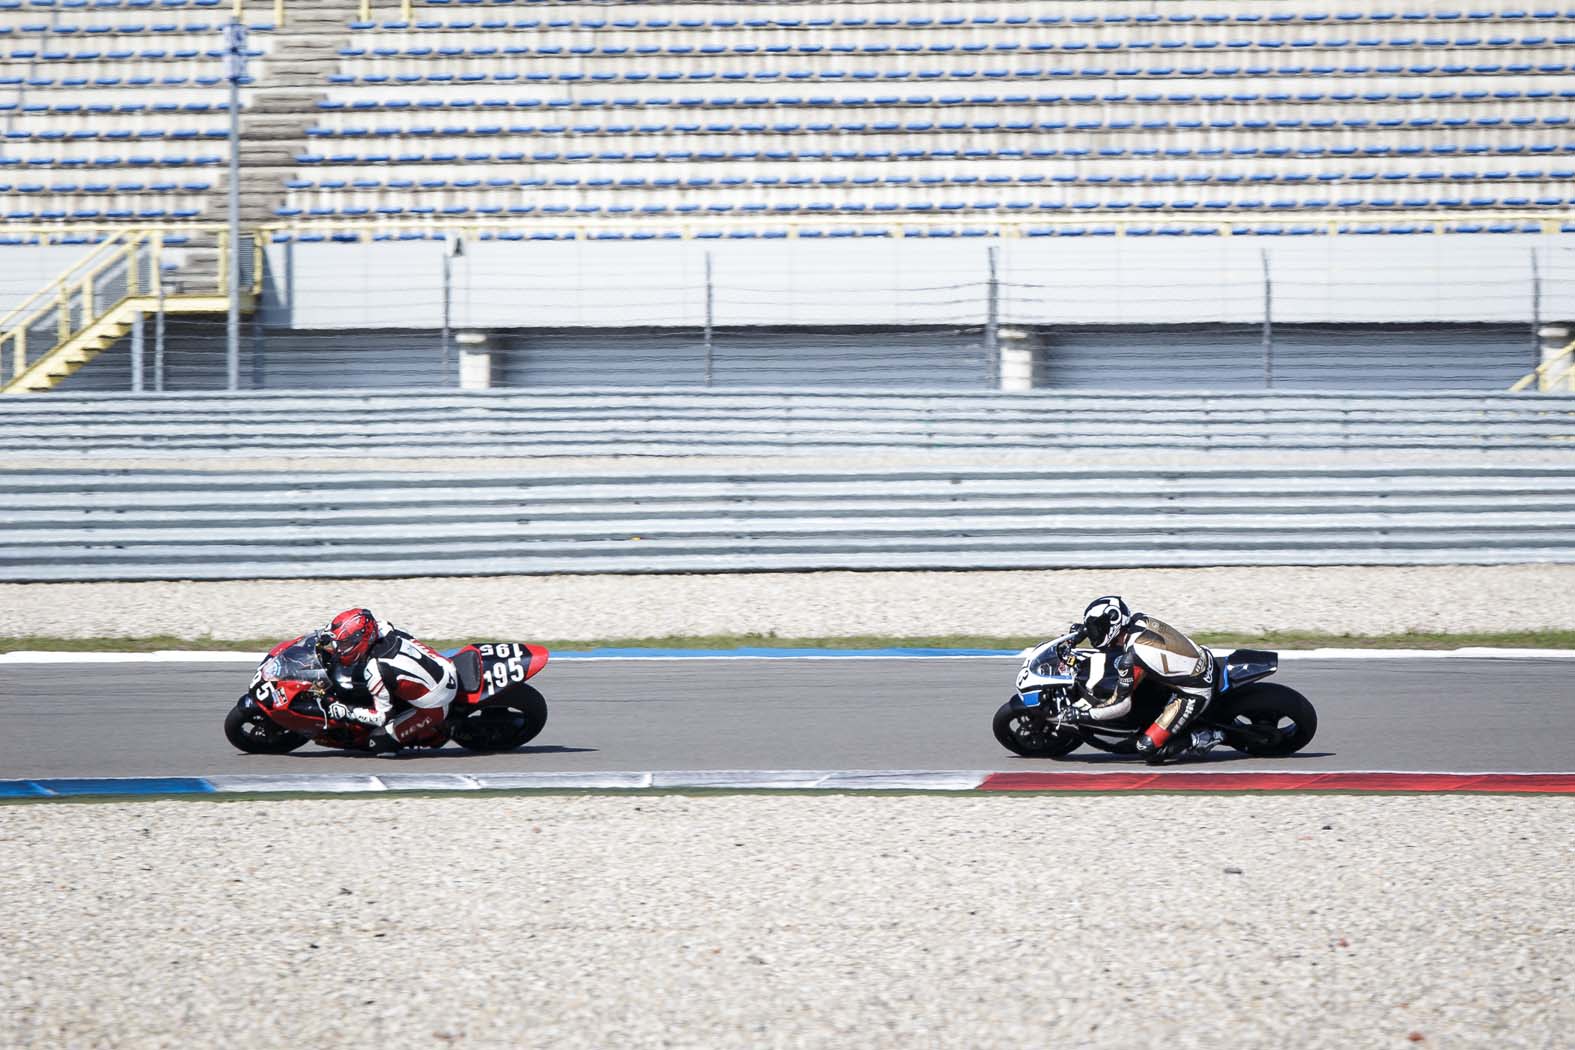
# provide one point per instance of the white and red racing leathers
(400, 671)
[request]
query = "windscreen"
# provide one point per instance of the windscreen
(298, 663)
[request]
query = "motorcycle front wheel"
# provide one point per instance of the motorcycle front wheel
(1030, 736)
(253, 732)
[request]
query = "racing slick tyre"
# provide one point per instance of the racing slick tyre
(249, 730)
(1279, 712)
(502, 726)
(1031, 737)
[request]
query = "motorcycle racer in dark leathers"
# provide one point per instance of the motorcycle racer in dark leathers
(1138, 646)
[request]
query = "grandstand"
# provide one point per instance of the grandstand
(619, 139)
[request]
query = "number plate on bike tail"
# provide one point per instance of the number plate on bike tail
(1030, 698)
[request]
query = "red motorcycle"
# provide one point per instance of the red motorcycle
(287, 703)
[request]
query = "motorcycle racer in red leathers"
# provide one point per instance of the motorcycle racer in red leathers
(373, 667)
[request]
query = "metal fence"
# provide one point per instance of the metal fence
(128, 520)
(1446, 311)
(153, 524)
(571, 422)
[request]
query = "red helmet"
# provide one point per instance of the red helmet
(348, 637)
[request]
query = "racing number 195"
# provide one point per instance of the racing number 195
(508, 665)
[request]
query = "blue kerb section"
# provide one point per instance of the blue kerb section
(21, 789)
(778, 654)
(78, 786)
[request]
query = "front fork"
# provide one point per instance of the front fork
(1037, 704)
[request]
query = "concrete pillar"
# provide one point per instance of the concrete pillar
(1019, 351)
(137, 337)
(1554, 338)
(475, 361)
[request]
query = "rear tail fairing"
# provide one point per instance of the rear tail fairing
(504, 666)
(1244, 666)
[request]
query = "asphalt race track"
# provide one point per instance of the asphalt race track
(1487, 715)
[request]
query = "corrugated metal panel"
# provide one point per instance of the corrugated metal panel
(1393, 357)
(1212, 357)
(194, 360)
(109, 372)
(748, 358)
(355, 361)
(1478, 358)
(626, 359)
(1304, 357)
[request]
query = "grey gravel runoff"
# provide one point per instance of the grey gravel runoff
(733, 921)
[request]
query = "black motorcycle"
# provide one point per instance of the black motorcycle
(1256, 717)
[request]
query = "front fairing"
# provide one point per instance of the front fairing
(289, 686)
(1048, 675)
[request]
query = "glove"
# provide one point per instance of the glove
(1072, 715)
(345, 713)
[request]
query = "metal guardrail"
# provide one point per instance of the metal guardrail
(176, 524)
(566, 422)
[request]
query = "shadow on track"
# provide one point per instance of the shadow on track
(425, 753)
(1102, 758)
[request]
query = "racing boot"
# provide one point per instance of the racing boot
(381, 742)
(1153, 753)
(1198, 742)
(1204, 740)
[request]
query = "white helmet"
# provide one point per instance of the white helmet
(1105, 618)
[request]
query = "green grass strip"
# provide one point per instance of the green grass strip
(1563, 639)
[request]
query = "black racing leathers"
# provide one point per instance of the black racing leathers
(1151, 648)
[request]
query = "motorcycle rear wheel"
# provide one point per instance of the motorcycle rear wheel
(502, 726)
(1031, 737)
(253, 732)
(1269, 706)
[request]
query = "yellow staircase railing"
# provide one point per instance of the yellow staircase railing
(93, 303)
(1550, 373)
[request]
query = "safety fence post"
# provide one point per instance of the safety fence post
(1268, 321)
(137, 337)
(158, 315)
(992, 321)
(710, 316)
